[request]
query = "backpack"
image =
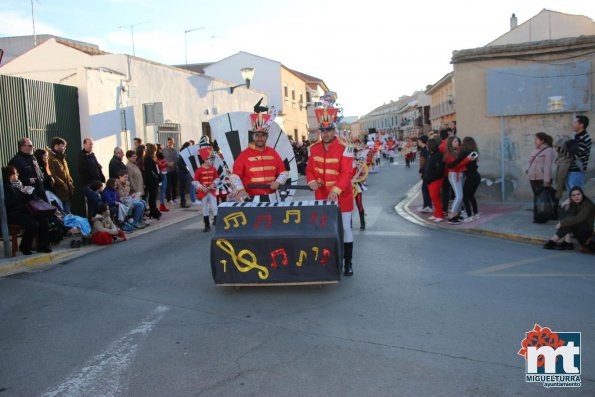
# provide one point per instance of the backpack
(544, 205)
(56, 231)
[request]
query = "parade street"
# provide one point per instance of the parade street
(428, 312)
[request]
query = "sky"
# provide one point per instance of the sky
(369, 52)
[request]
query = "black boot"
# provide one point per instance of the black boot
(362, 220)
(214, 220)
(348, 248)
(207, 226)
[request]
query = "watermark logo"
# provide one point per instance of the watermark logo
(552, 358)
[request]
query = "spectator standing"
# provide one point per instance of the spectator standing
(162, 167)
(433, 176)
(28, 169)
(42, 160)
(63, 183)
(424, 153)
(469, 158)
(151, 180)
(184, 175)
(581, 153)
(88, 166)
(137, 142)
(135, 176)
(541, 161)
(116, 164)
(171, 154)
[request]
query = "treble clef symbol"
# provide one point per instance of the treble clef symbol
(244, 257)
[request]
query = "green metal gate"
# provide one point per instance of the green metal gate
(40, 111)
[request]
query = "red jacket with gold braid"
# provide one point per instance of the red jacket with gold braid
(205, 176)
(257, 167)
(333, 170)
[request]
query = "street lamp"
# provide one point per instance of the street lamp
(247, 75)
(186, 41)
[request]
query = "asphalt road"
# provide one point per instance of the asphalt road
(427, 313)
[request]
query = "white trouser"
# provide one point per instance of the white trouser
(207, 200)
(347, 233)
(456, 179)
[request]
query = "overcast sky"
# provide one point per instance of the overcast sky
(369, 53)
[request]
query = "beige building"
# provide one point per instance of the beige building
(293, 112)
(442, 110)
(507, 93)
(315, 88)
(547, 25)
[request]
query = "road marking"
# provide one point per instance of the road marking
(369, 232)
(492, 271)
(101, 375)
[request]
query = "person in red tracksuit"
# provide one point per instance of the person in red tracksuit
(433, 177)
(258, 164)
(329, 173)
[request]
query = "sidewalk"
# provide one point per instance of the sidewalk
(63, 252)
(512, 220)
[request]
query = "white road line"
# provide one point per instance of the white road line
(101, 375)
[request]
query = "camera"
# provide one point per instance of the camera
(474, 155)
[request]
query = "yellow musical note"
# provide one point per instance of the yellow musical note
(315, 249)
(297, 213)
(303, 256)
(236, 217)
(241, 257)
(224, 262)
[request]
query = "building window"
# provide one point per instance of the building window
(301, 97)
(293, 94)
(286, 92)
(308, 97)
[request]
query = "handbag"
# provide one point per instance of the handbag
(40, 207)
(544, 205)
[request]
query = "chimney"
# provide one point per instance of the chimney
(513, 22)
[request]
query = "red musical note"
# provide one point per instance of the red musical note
(313, 217)
(280, 251)
(326, 254)
(266, 218)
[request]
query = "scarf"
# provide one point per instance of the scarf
(17, 184)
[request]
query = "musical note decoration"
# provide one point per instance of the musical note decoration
(244, 261)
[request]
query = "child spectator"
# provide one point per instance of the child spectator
(105, 231)
(92, 193)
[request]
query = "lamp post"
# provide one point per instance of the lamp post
(186, 41)
(247, 75)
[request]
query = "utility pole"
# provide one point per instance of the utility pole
(186, 41)
(131, 33)
(33, 19)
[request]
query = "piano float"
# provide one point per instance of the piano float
(281, 243)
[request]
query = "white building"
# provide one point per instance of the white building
(122, 96)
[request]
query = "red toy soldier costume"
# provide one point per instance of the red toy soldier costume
(258, 164)
(329, 173)
(205, 183)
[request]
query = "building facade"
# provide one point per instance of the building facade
(442, 110)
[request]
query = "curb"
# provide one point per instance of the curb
(61, 255)
(402, 208)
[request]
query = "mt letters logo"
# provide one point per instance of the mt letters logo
(552, 358)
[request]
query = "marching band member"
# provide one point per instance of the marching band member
(329, 174)
(205, 178)
(258, 164)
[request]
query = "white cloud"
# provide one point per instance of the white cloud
(15, 24)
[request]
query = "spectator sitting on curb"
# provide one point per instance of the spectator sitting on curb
(132, 201)
(92, 193)
(577, 215)
(104, 230)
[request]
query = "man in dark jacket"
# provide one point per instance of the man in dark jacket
(88, 166)
(116, 164)
(28, 168)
